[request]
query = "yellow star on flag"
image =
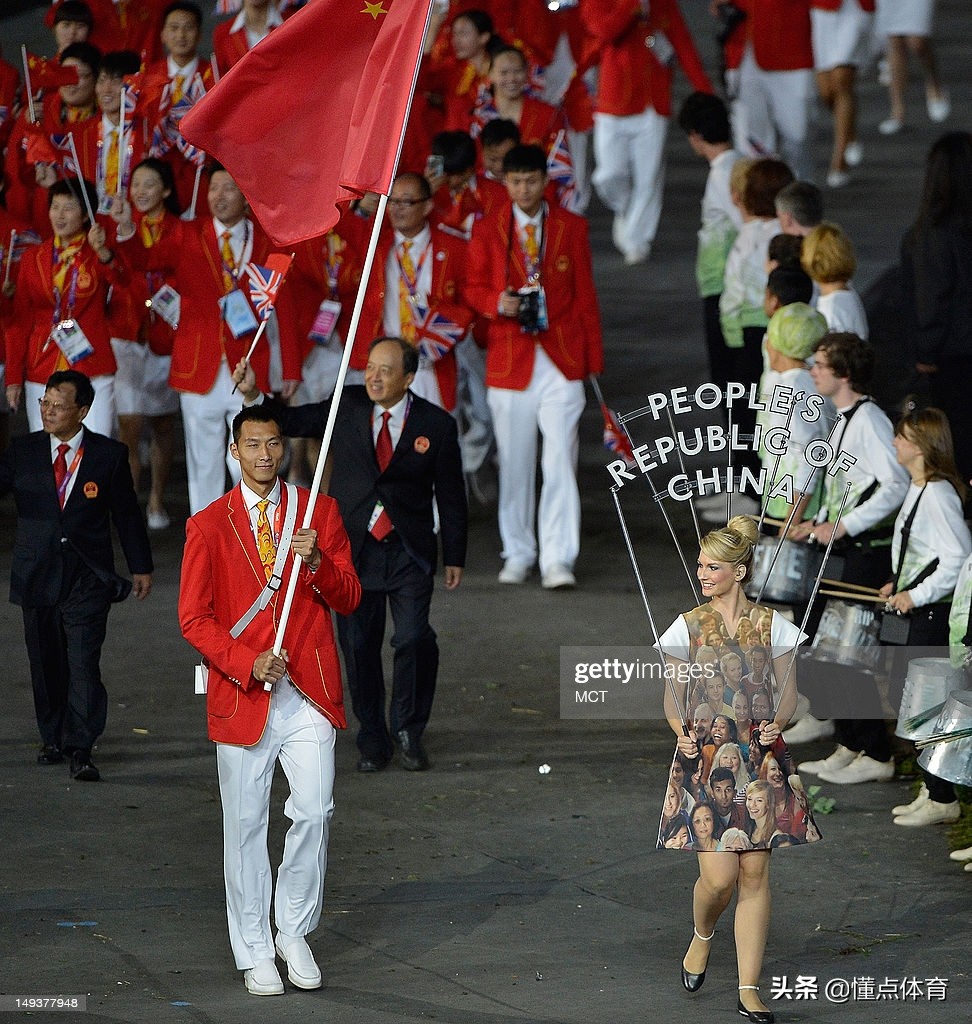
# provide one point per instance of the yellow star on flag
(373, 9)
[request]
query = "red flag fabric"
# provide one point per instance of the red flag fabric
(48, 73)
(314, 115)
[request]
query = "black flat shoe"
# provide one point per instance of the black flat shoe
(757, 1016)
(82, 769)
(370, 765)
(50, 754)
(693, 982)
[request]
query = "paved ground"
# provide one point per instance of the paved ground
(482, 892)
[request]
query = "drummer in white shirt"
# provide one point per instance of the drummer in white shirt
(827, 255)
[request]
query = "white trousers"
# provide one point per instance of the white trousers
(304, 745)
(207, 422)
(101, 415)
(553, 404)
(476, 423)
(630, 173)
(775, 115)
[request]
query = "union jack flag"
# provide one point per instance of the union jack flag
(484, 110)
(438, 335)
(228, 6)
(615, 437)
(265, 282)
(560, 170)
(62, 146)
(131, 91)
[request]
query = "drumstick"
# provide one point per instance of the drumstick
(943, 737)
(851, 586)
(850, 596)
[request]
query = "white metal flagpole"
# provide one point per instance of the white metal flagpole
(345, 360)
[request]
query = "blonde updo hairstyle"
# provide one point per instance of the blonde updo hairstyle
(734, 543)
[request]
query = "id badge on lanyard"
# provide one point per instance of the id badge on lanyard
(237, 314)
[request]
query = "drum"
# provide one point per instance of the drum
(848, 635)
(952, 761)
(928, 683)
(792, 577)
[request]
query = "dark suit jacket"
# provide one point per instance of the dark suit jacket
(426, 461)
(102, 493)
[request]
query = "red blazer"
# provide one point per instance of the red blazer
(88, 141)
(138, 29)
(9, 94)
(451, 213)
(308, 281)
(7, 224)
(222, 576)
(779, 31)
(573, 340)
(29, 356)
(189, 255)
(448, 258)
(631, 78)
(228, 47)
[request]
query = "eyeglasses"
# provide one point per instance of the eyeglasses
(48, 406)
(406, 202)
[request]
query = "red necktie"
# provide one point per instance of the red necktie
(383, 526)
(60, 470)
(383, 445)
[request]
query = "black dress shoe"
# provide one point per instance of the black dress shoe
(414, 758)
(82, 770)
(757, 1016)
(50, 754)
(372, 764)
(692, 982)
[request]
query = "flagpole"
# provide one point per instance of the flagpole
(81, 188)
(195, 193)
(30, 92)
(332, 412)
(379, 218)
(119, 189)
(6, 274)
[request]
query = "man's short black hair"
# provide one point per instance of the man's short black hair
(120, 63)
(253, 414)
(457, 149)
(84, 393)
(73, 10)
(721, 775)
(707, 116)
(72, 187)
(410, 356)
(499, 130)
(186, 6)
(88, 54)
(784, 250)
(850, 357)
(522, 159)
(419, 181)
(790, 284)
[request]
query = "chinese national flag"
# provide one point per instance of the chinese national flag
(314, 115)
(48, 73)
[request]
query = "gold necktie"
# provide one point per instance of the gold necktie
(111, 165)
(265, 544)
(407, 275)
(532, 250)
(178, 87)
(229, 263)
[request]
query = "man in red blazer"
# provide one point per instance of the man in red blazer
(235, 37)
(230, 561)
(416, 279)
(640, 43)
(530, 276)
(775, 82)
(207, 260)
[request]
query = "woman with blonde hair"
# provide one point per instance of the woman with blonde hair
(827, 256)
(724, 564)
(761, 807)
(730, 756)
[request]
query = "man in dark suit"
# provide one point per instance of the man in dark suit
(393, 454)
(67, 482)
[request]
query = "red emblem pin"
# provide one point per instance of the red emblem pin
(421, 444)
(91, 489)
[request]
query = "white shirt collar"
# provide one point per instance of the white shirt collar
(73, 445)
(107, 128)
(419, 241)
(237, 231)
(522, 219)
(250, 497)
(274, 18)
(187, 72)
(397, 411)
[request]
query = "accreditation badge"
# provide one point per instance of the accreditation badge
(71, 340)
(167, 303)
(543, 321)
(324, 322)
(237, 313)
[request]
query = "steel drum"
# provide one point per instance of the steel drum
(848, 635)
(929, 682)
(792, 578)
(952, 761)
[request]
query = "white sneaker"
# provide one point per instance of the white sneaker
(919, 800)
(558, 577)
(513, 572)
(632, 257)
(965, 854)
(619, 234)
(861, 769)
(840, 758)
(930, 813)
(809, 729)
(939, 109)
(302, 969)
(838, 179)
(158, 520)
(891, 126)
(853, 154)
(968, 867)
(263, 979)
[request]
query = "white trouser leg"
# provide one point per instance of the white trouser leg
(515, 425)
(579, 143)
(790, 94)
(613, 174)
(206, 421)
(753, 124)
(558, 414)
(101, 416)
(305, 745)
(648, 163)
(33, 393)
